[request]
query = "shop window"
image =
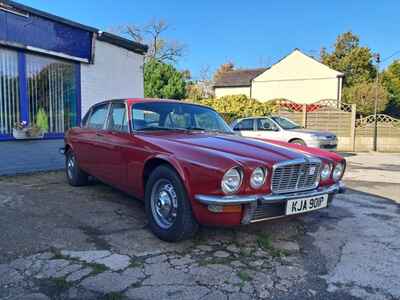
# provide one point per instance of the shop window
(9, 91)
(52, 92)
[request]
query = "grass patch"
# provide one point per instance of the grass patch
(136, 263)
(60, 284)
(264, 241)
(244, 276)
(97, 268)
(216, 260)
(114, 296)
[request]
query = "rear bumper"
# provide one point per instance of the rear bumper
(258, 208)
(247, 199)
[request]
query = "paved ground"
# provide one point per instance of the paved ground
(26, 156)
(378, 174)
(59, 242)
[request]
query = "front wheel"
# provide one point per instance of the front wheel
(75, 176)
(299, 142)
(168, 208)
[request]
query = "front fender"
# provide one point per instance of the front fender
(178, 166)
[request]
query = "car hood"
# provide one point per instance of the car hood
(313, 132)
(225, 146)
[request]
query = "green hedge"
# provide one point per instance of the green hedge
(239, 106)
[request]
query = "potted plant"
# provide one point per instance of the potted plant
(22, 130)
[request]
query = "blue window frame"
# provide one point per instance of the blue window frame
(30, 84)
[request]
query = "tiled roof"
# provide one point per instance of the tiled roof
(241, 77)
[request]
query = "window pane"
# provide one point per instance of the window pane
(98, 117)
(144, 118)
(118, 120)
(265, 124)
(9, 91)
(206, 120)
(165, 116)
(245, 125)
(51, 92)
(178, 120)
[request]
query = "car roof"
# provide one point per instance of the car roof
(257, 117)
(144, 100)
(131, 101)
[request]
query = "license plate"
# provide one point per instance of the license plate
(298, 206)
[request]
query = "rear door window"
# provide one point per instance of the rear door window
(247, 124)
(98, 117)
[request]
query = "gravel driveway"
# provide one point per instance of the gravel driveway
(59, 242)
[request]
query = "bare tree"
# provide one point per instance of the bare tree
(224, 68)
(160, 48)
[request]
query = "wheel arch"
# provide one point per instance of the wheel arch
(67, 148)
(296, 139)
(154, 162)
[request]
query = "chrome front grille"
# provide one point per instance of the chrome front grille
(296, 175)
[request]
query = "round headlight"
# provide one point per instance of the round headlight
(326, 171)
(231, 181)
(338, 172)
(257, 178)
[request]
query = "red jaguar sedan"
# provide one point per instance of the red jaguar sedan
(189, 168)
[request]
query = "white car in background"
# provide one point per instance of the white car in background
(282, 129)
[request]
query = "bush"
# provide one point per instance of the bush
(363, 94)
(239, 106)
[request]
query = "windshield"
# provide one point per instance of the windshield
(285, 123)
(176, 116)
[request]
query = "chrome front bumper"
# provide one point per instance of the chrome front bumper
(268, 198)
(265, 207)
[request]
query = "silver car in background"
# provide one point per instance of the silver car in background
(282, 129)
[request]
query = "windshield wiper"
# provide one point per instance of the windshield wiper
(155, 128)
(196, 128)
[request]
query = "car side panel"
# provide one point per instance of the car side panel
(82, 141)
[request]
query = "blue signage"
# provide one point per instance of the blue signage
(46, 34)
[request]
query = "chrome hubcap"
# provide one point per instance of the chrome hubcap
(70, 166)
(164, 203)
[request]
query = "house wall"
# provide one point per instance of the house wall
(298, 78)
(305, 91)
(116, 73)
(226, 91)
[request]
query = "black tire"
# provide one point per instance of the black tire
(298, 142)
(75, 176)
(184, 225)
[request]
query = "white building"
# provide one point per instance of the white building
(297, 77)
